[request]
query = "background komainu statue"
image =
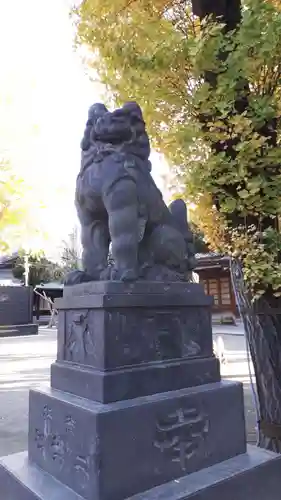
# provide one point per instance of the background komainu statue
(118, 203)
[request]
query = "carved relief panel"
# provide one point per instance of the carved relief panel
(116, 337)
(80, 340)
(181, 434)
(144, 335)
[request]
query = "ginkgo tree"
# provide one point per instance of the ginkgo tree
(211, 100)
(12, 208)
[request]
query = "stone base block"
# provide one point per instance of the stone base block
(21, 480)
(18, 330)
(113, 451)
(135, 381)
(253, 475)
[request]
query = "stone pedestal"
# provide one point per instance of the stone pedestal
(136, 407)
(119, 342)
(16, 311)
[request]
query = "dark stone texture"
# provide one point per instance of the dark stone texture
(21, 480)
(111, 338)
(108, 351)
(110, 330)
(132, 336)
(18, 330)
(91, 447)
(172, 291)
(254, 475)
(16, 305)
(251, 476)
(118, 202)
(116, 385)
(138, 294)
(126, 345)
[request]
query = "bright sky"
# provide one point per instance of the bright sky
(44, 97)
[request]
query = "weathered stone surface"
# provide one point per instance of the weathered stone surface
(110, 330)
(107, 294)
(91, 447)
(18, 330)
(172, 291)
(16, 303)
(16, 311)
(21, 480)
(108, 351)
(118, 202)
(253, 475)
(116, 385)
(112, 338)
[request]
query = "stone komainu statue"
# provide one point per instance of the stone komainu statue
(118, 202)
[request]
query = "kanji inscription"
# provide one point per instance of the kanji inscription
(180, 434)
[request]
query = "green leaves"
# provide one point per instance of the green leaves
(230, 205)
(222, 138)
(41, 270)
(243, 194)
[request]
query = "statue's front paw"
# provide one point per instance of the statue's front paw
(124, 275)
(105, 274)
(76, 277)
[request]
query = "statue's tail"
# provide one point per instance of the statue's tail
(179, 214)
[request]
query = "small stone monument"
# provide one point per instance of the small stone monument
(16, 311)
(136, 409)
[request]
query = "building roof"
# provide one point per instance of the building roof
(7, 261)
(211, 260)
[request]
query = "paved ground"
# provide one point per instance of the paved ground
(24, 364)
(239, 367)
(229, 329)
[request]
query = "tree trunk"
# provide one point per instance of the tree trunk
(263, 334)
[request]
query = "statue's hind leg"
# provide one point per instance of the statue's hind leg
(122, 209)
(95, 242)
